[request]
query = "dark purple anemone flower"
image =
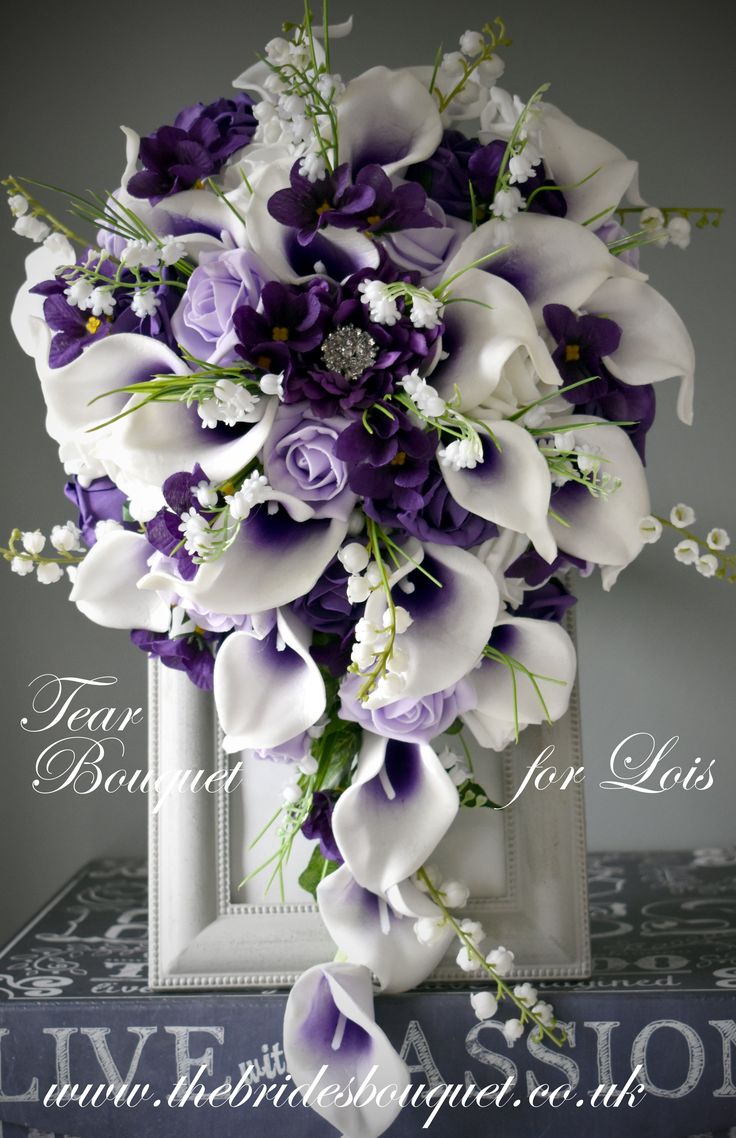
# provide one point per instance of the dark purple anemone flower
(440, 519)
(75, 329)
(100, 501)
(582, 342)
(193, 653)
(318, 825)
(321, 336)
(370, 203)
(388, 465)
(196, 146)
(460, 163)
(291, 322)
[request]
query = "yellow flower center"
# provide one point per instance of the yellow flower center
(323, 208)
(280, 334)
(572, 353)
(92, 325)
(399, 459)
(374, 219)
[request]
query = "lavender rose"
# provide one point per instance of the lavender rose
(411, 720)
(292, 751)
(203, 322)
(300, 459)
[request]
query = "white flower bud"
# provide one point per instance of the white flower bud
(526, 994)
(354, 557)
(686, 552)
(50, 573)
(650, 530)
(465, 961)
(707, 565)
(429, 930)
(471, 43)
(18, 205)
(501, 960)
(22, 566)
(292, 793)
(358, 589)
(33, 541)
(484, 1004)
(513, 1029)
(544, 1013)
(718, 539)
(455, 894)
(682, 516)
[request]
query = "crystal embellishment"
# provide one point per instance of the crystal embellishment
(349, 351)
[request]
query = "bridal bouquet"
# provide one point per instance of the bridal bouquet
(339, 391)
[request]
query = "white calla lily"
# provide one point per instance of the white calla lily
(267, 687)
(26, 318)
(451, 620)
(106, 585)
(604, 529)
(507, 697)
(655, 344)
(548, 259)
(272, 561)
(370, 931)
(329, 1021)
(572, 154)
(400, 804)
(162, 438)
(511, 486)
(387, 117)
(484, 326)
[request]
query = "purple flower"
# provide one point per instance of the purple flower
(548, 602)
(389, 464)
(440, 519)
(203, 322)
(193, 654)
(370, 204)
(582, 342)
(164, 532)
(296, 331)
(75, 329)
(100, 501)
(194, 148)
(410, 720)
(531, 567)
(292, 751)
(291, 321)
(460, 163)
(326, 610)
(318, 825)
(300, 459)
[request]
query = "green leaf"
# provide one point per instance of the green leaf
(472, 794)
(318, 868)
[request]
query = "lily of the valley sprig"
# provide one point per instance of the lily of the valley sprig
(345, 388)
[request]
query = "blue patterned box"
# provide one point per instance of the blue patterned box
(74, 1007)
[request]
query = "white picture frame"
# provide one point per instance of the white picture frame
(525, 865)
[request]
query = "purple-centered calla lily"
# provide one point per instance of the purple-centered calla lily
(452, 617)
(273, 560)
(603, 529)
(329, 1022)
(487, 325)
(548, 259)
(400, 804)
(388, 118)
(371, 931)
(506, 701)
(511, 486)
(654, 344)
(267, 687)
(595, 174)
(106, 585)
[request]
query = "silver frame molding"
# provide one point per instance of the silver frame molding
(201, 939)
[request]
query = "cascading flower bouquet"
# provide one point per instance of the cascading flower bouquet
(340, 390)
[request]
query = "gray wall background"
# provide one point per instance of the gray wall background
(657, 653)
